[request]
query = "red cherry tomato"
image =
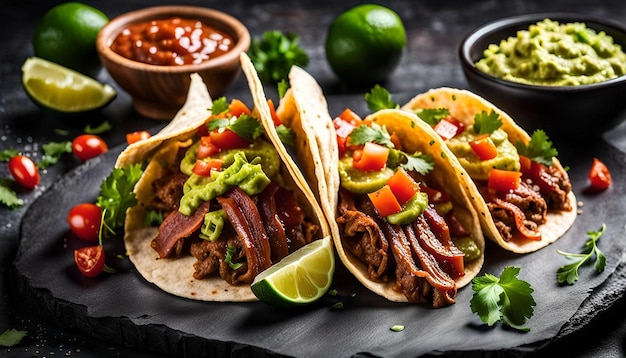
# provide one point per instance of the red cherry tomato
(25, 171)
(90, 260)
(87, 146)
(84, 220)
(599, 175)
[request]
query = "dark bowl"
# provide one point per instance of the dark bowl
(562, 111)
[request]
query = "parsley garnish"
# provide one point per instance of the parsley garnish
(274, 53)
(11, 337)
(220, 105)
(7, 154)
(52, 152)
(230, 251)
(282, 87)
(539, 149)
(432, 116)
(486, 123)
(373, 133)
(379, 98)
(101, 128)
(569, 273)
(117, 195)
(505, 299)
(7, 196)
(418, 162)
(245, 126)
(285, 134)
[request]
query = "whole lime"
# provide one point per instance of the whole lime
(364, 44)
(67, 33)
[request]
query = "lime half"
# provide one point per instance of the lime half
(300, 278)
(61, 89)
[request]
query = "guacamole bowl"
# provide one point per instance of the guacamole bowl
(562, 110)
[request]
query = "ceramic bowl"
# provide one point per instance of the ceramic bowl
(158, 91)
(562, 111)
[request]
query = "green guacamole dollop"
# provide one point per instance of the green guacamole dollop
(554, 54)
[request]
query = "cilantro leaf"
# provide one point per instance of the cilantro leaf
(7, 154)
(7, 196)
(246, 127)
(379, 98)
(507, 299)
(569, 273)
(539, 149)
(432, 116)
(117, 195)
(53, 152)
(286, 135)
(274, 53)
(373, 133)
(220, 105)
(11, 337)
(230, 252)
(486, 123)
(218, 123)
(417, 161)
(282, 88)
(101, 128)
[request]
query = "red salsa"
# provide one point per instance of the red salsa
(173, 41)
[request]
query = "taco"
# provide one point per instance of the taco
(431, 250)
(521, 191)
(232, 203)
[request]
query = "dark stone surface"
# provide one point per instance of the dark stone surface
(434, 29)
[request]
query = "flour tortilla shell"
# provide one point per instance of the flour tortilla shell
(464, 105)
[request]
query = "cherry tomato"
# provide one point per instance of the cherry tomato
(25, 171)
(137, 136)
(84, 220)
(87, 146)
(90, 260)
(599, 175)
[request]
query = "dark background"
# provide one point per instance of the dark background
(434, 31)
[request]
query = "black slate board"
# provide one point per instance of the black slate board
(124, 308)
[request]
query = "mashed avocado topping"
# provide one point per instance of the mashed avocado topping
(507, 158)
(554, 54)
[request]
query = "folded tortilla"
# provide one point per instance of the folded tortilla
(175, 275)
(304, 110)
(464, 105)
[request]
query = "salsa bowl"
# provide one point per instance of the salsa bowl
(142, 51)
(564, 111)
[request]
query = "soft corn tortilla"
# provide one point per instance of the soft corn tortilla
(176, 275)
(304, 110)
(464, 105)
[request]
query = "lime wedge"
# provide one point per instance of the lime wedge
(300, 278)
(61, 89)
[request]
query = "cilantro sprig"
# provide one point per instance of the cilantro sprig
(274, 53)
(372, 133)
(245, 126)
(52, 152)
(9, 197)
(379, 98)
(569, 273)
(539, 149)
(432, 116)
(506, 299)
(486, 123)
(117, 195)
(11, 337)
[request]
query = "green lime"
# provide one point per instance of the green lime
(300, 278)
(67, 35)
(365, 44)
(61, 89)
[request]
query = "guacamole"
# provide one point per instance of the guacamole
(554, 54)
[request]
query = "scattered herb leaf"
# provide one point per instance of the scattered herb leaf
(486, 123)
(220, 105)
(418, 162)
(274, 53)
(247, 127)
(7, 154)
(432, 116)
(338, 306)
(7, 196)
(100, 128)
(397, 328)
(116, 195)
(11, 337)
(569, 273)
(52, 152)
(373, 133)
(505, 299)
(230, 251)
(285, 134)
(379, 98)
(539, 149)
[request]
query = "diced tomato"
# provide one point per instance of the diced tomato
(275, 118)
(237, 108)
(483, 147)
(384, 201)
(343, 129)
(435, 196)
(372, 157)
(203, 167)
(224, 138)
(503, 181)
(403, 186)
(137, 136)
(599, 175)
(525, 164)
(350, 116)
(448, 129)
(206, 148)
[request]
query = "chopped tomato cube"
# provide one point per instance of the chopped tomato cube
(372, 157)
(237, 108)
(343, 129)
(350, 116)
(224, 138)
(403, 186)
(384, 201)
(503, 181)
(599, 175)
(206, 148)
(137, 136)
(484, 148)
(275, 118)
(447, 128)
(435, 196)
(525, 164)
(203, 167)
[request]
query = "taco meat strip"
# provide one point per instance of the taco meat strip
(175, 228)
(273, 225)
(553, 183)
(436, 240)
(244, 217)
